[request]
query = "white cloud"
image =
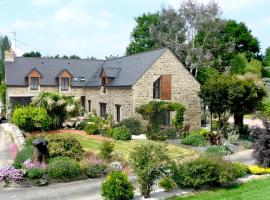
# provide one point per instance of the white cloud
(25, 24)
(75, 15)
(226, 5)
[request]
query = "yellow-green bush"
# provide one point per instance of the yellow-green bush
(257, 170)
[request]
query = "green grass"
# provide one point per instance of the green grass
(253, 190)
(125, 147)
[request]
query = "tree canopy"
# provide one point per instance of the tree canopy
(32, 54)
(266, 58)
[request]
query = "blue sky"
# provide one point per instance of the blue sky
(102, 27)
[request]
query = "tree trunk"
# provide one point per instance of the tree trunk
(238, 120)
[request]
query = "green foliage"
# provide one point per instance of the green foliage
(23, 155)
(266, 72)
(31, 118)
(63, 168)
(266, 58)
(194, 139)
(96, 170)
(116, 187)
(81, 125)
(179, 117)
(58, 107)
(5, 45)
(121, 133)
(204, 171)
(246, 144)
(204, 73)
(149, 162)
(141, 39)
(32, 54)
(167, 184)
(64, 145)
(3, 88)
(106, 149)
(165, 134)
(154, 112)
(135, 126)
(218, 150)
(35, 173)
(98, 125)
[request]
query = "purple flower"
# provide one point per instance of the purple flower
(10, 173)
(29, 164)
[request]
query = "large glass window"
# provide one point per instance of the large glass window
(34, 81)
(64, 84)
(156, 89)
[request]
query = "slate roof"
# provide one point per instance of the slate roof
(124, 71)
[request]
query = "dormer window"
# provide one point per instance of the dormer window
(34, 82)
(64, 83)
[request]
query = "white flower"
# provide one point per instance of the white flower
(61, 102)
(70, 108)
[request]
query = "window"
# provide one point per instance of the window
(64, 84)
(83, 102)
(156, 89)
(103, 109)
(103, 83)
(89, 105)
(34, 83)
(118, 113)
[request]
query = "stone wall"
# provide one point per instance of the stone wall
(184, 87)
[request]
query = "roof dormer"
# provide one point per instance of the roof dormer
(33, 79)
(64, 79)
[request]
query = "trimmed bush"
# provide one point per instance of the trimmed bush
(218, 150)
(23, 155)
(194, 139)
(35, 173)
(31, 118)
(106, 149)
(204, 171)
(64, 145)
(121, 133)
(96, 170)
(63, 168)
(167, 184)
(133, 124)
(116, 187)
(165, 134)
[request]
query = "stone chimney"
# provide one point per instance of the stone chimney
(9, 55)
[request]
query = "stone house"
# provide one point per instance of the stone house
(115, 86)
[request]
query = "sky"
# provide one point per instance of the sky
(101, 28)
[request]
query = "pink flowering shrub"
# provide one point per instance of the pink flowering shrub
(10, 173)
(29, 164)
(13, 150)
(90, 159)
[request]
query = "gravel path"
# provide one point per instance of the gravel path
(242, 156)
(5, 140)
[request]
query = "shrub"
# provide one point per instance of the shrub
(165, 134)
(240, 169)
(10, 173)
(261, 145)
(63, 167)
(149, 162)
(106, 149)
(247, 144)
(96, 170)
(121, 133)
(23, 155)
(117, 186)
(194, 139)
(35, 173)
(218, 150)
(167, 184)
(97, 125)
(257, 170)
(133, 124)
(81, 125)
(64, 145)
(204, 171)
(115, 166)
(31, 118)
(29, 164)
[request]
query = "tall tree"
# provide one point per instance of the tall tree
(266, 58)
(5, 45)
(141, 40)
(32, 54)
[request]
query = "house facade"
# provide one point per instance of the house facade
(116, 87)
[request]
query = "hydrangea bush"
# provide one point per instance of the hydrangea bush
(29, 164)
(116, 166)
(10, 173)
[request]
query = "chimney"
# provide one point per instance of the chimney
(9, 55)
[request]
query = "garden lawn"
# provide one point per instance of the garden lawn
(125, 147)
(252, 190)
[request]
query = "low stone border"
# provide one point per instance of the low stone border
(15, 133)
